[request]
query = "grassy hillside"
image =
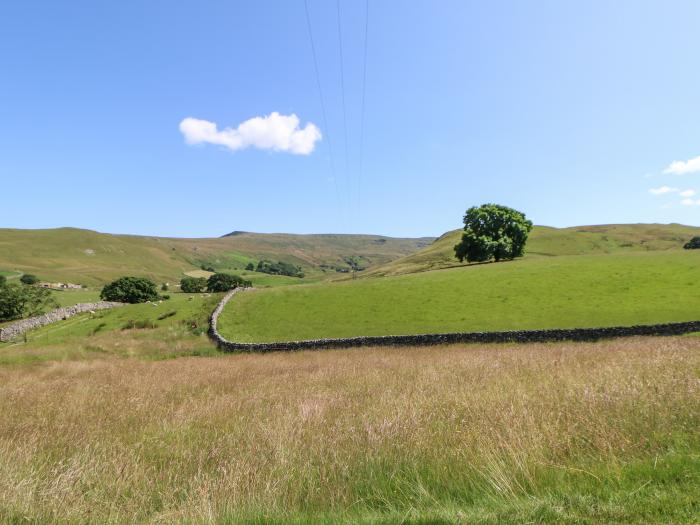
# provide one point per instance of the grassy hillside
(92, 258)
(546, 241)
(622, 288)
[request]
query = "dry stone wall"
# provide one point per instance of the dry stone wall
(16, 329)
(516, 336)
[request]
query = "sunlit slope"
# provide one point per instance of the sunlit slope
(88, 257)
(624, 288)
(547, 241)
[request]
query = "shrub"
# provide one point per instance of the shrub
(693, 244)
(130, 290)
(193, 284)
(164, 287)
(279, 268)
(208, 268)
(3, 280)
(17, 301)
(492, 231)
(223, 282)
(29, 279)
(165, 297)
(250, 267)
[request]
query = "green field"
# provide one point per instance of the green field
(173, 328)
(623, 288)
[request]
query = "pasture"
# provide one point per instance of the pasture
(562, 292)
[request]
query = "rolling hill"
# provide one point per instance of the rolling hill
(91, 258)
(545, 241)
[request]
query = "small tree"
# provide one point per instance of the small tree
(223, 282)
(193, 284)
(693, 244)
(17, 301)
(130, 290)
(250, 267)
(29, 279)
(492, 231)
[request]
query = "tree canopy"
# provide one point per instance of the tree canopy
(19, 300)
(29, 278)
(223, 282)
(492, 231)
(693, 244)
(193, 284)
(130, 290)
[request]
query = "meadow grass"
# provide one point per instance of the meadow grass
(170, 329)
(561, 292)
(558, 433)
(71, 297)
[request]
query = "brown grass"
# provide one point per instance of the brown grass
(446, 431)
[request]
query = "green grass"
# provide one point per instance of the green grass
(174, 328)
(622, 288)
(71, 297)
(548, 242)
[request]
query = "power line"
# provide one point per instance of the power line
(362, 107)
(323, 105)
(342, 91)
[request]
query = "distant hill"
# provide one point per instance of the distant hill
(90, 258)
(546, 241)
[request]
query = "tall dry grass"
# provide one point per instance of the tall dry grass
(474, 434)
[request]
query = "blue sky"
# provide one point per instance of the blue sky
(569, 111)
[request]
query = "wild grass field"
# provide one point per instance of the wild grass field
(623, 288)
(558, 433)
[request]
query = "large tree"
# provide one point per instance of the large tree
(130, 290)
(492, 231)
(223, 282)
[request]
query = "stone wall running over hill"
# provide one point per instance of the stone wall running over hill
(16, 329)
(518, 336)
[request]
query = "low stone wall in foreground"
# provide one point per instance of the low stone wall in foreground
(17, 328)
(517, 336)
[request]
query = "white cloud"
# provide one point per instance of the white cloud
(662, 190)
(274, 131)
(680, 167)
(687, 193)
(690, 202)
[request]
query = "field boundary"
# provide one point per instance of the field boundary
(17, 328)
(513, 336)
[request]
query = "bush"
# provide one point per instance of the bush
(29, 279)
(165, 297)
(3, 280)
(279, 268)
(693, 244)
(193, 284)
(492, 231)
(130, 290)
(250, 267)
(208, 268)
(223, 282)
(17, 301)
(164, 287)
